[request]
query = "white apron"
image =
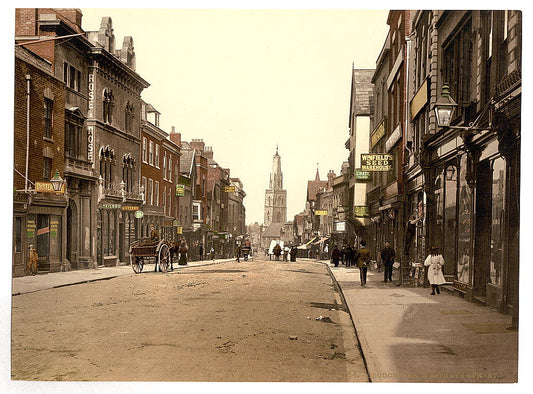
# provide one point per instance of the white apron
(435, 264)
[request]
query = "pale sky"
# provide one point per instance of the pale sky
(246, 80)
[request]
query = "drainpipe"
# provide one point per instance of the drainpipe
(28, 79)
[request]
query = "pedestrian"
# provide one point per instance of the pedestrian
(335, 256)
(183, 254)
(285, 253)
(435, 262)
(277, 251)
(32, 261)
(212, 253)
(349, 256)
(201, 252)
(343, 254)
(238, 253)
(363, 259)
(294, 250)
(387, 259)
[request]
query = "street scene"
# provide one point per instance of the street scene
(242, 195)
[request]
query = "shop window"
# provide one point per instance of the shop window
(43, 236)
(464, 229)
(497, 228)
(450, 216)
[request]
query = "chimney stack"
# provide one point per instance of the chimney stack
(175, 137)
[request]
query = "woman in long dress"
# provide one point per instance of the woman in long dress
(435, 262)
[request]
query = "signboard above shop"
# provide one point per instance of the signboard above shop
(376, 162)
(361, 211)
(228, 189)
(46, 187)
(321, 213)
(362, 176)
(378, 133)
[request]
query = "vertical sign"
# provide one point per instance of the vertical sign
(90, 129)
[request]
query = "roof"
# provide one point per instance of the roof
(313, 187)
(273, 230)
(186, 161)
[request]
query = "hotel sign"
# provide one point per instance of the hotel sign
(378, 133)
(376, 162)
(46, 187)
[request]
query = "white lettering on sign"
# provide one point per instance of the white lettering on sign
(91, 96)
(90, 144)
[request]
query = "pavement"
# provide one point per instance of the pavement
(405, 334)
(408, 335)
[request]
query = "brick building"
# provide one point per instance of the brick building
(39, 214)
(159, 176)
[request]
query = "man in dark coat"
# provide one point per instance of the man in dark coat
(387, 259)
(335, 256)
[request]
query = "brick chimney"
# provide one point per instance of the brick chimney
(198, 144)
(71, 16)
(208, 152)
(175, 137)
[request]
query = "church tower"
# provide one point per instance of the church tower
(275, 196)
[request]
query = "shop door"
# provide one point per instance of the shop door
(43, 241)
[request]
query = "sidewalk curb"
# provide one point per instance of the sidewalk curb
(79, 282)
(341, 293)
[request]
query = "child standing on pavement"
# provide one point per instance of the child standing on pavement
(435, 261)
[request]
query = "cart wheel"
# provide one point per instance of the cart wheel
(164, 258)
(136, 264)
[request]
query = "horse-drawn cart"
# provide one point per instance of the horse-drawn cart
(147, 249)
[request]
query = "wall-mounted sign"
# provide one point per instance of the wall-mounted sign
(46, 187)
(179, 230)
(44, 230)
(53, 227)
(129, 208)
(363, 176)
(228, 189)
(378, 133)
(393, 138)
(321, 213)
(180, 190)
(419, 101)
(139, 214)
(30, 228)
(184, 180)
(376, 162)
(361, 211)
(340, 226)
(110, 206)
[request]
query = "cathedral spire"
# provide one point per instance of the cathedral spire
(317, 176)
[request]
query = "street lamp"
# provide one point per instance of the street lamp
(445, 107)
(57, 182)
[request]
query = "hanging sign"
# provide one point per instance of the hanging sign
(378, 133)
(139, 214)
(179, 230)
(180, 190)
(363, 176)
(46, 187)
(376, 162)
(361, 211)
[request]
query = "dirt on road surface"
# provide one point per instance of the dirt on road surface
(249, 321)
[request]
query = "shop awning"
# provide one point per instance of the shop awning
(323, 239)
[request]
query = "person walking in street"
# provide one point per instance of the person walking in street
(201, 252)
(277, 251)
(363, 259)
(212, 253)
(183, 254)
(387, 259)
(335, 256)
(32, 261)
(349, 256)
(294, 250)
(435, 262)
(286, 253)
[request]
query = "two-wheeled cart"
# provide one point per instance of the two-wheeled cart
(144, 250)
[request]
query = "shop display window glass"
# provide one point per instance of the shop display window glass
(450, 217)
(497, 228)
(464, 228)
